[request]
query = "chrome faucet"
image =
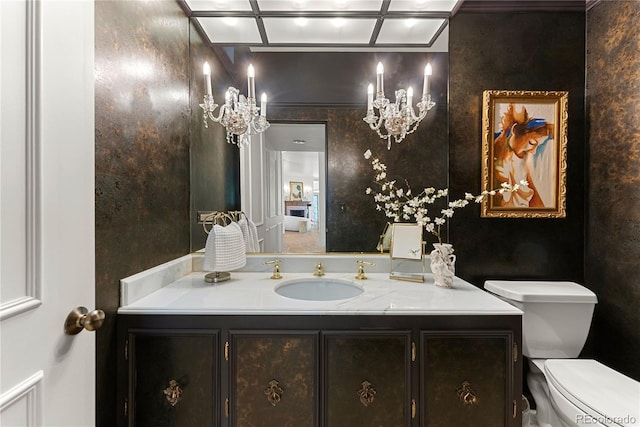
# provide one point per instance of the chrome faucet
(319, 270)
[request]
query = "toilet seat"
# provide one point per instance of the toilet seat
(601, 393)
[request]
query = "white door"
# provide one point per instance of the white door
(47, 211)
(274, 220)
(252, 183)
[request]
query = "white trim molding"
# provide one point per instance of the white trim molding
(33, 58)
(29, 389)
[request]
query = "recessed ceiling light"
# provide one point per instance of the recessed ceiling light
(299, 4)
(301, 22)
(299, 141)
(338, 22)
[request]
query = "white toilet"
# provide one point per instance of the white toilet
(568, 392)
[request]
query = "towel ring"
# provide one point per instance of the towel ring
(221, 218)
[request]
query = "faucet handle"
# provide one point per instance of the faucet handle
(319, 270)
(276, 268)
(361, 264)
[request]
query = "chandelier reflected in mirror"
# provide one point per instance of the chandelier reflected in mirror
(239, 114)
(396, 120)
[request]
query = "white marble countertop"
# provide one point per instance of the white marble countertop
(253, 293)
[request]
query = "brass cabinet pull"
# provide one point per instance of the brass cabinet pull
(173, 393)
(274, 392)
(366, 393)
(413, 408)
(467, 395)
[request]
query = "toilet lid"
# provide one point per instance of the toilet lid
(541, 291)
(598, 390)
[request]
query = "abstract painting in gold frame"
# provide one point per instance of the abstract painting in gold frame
(525, 138)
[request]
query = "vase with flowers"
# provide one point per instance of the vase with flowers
(400, 203)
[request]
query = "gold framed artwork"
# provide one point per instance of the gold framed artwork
(525, 139)
(296, 190)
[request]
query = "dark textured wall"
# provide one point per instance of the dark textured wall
(142, 145)
(515, 51)
(613, 228)
(353, 224)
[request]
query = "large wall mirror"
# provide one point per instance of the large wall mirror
(307, 174)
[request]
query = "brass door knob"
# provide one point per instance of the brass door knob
(80, 319)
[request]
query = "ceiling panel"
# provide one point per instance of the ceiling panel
(293, 31)
(345, 24)
(320, 5)
(218, 5)
(422, 5)
(409, 31)
(231, 30)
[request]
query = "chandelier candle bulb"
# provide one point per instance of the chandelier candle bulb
(263, 105)
(425, 88)
(227, 98)
(396, 119)
(251, 74)
(206, 70)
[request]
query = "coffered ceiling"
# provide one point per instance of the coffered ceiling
(273, 24)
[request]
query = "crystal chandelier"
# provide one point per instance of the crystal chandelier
(399, 118)
(239, 115)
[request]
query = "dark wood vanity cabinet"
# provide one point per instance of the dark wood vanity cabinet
(367, 379)
(174, 378)
(273, 378)
(466, 379)
(320, 371)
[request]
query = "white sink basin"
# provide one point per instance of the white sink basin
(318, 289)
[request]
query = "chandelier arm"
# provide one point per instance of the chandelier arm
(376, 126)
(221, 113)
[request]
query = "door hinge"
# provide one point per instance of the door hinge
(226, 350)
(515, 352)
(413, 408)
(515, 409)
(413, 351)
(126, 350)
(126, 407)
(226, 407)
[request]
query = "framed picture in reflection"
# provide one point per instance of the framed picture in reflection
(525, 142)
(296, 190)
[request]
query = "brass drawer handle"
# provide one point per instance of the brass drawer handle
(274, 392)
(366, 393)
(173, 393)
(467, 395)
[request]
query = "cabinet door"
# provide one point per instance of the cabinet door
(367, 379)
(173, 379)
(465, 379)
(273, 379)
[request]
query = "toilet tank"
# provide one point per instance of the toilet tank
(556, 315)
